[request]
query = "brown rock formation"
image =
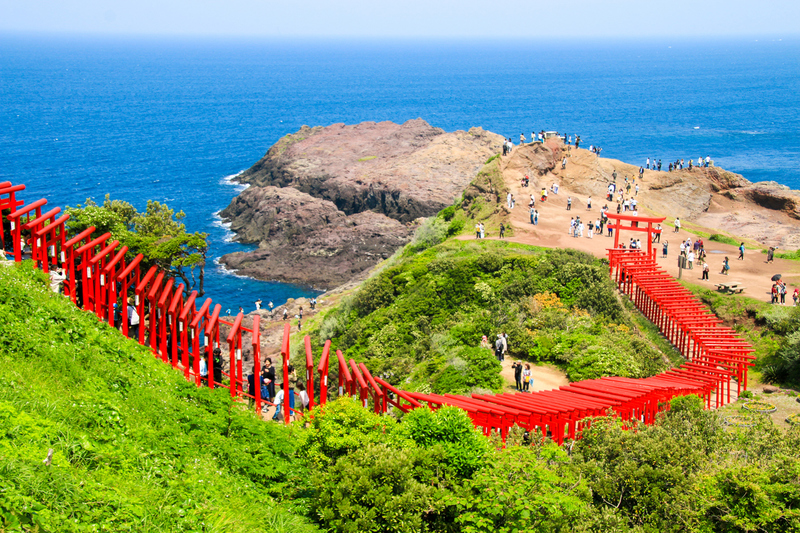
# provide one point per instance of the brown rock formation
(404, 171)
(327, 203)
(712, 198)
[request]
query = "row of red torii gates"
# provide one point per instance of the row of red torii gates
(99, 273)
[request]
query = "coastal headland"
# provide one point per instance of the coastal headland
(326, 204)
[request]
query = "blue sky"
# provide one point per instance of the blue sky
(407, 18)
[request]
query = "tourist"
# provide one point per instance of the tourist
(677, 225)
(725, 266)
(664, 248)
(589, 203)
(564, 163)
(657, 233)
(508, 200)
(299, 324)
(502, 230)
(569, 203)
(313, 303)
(532, 212)
(292, 385)
(705, 270)
(782, 291)
(690, 259)
(133, 320)
(251, 386)
(270, 305)
(591, 229)
(285, 313)
(521, 139)
(648, 163)
(659, 165)
(477, 231)
(517, 367)
(216, 366)
(741, 251)
(571, 226)
(485, 343)
(527, 378)
(774, 293)
(268, 373)
(204, 367)
(796, 296)
(305, 400)
(278, 401)
(770, 254)
(544, 194)
(258, 304)
(535, 217)
(483, 231)
(637, 189)
(498, 348)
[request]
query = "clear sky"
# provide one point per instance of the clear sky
(407, 18)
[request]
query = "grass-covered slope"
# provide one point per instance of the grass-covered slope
(421, 319)
(135, 447)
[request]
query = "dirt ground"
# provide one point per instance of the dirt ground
(754, 273)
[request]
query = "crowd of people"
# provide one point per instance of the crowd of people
(678, 164)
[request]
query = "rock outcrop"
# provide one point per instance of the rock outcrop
(327, 203)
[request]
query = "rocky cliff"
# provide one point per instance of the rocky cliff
(327, 203)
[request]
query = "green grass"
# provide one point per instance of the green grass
(724, 239)
(135, 446)
(368, 158)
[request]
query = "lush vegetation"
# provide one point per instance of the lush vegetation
(431, 472)
(157, 233)
(420, 320)
(773, 330)
(135, 446)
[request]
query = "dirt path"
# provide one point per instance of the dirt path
(554, 218)
(545, 377)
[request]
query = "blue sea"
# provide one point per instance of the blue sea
(174, 120)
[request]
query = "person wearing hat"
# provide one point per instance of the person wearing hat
(133, 320)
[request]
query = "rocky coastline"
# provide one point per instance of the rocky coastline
(326, 204)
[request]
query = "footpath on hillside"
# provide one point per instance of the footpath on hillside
(552, 231)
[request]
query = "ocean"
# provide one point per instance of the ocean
(174, 120)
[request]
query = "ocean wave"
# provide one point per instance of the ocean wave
(225, 226)
(228, 180)
(225, 271)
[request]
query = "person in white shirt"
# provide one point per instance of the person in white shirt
(278, 403)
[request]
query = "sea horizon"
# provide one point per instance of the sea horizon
(170, 118)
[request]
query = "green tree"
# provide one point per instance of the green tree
(157, 233)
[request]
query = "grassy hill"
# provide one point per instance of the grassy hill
(135, 447)
(420, 320)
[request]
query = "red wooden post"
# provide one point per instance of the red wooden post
(68, 257)
(309, 372)
(285, 357)
(256, 340)
(187, 316)
(323, 373)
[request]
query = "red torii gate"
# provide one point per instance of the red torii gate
(635, 220)
(15, 218)
(8, 201)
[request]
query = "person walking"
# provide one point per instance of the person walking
(677, 225)
(664, 248)
(741, 251)
(705, 270)
(498, 348)
(535, 217)
(502, 230)
(532, 212)
(569, 203)
(589, 203)
(725, 266)
(564, 163)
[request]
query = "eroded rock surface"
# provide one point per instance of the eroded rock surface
(327, 203)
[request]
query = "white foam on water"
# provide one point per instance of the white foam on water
(226, 226)
(222, 269)
(228, 180)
